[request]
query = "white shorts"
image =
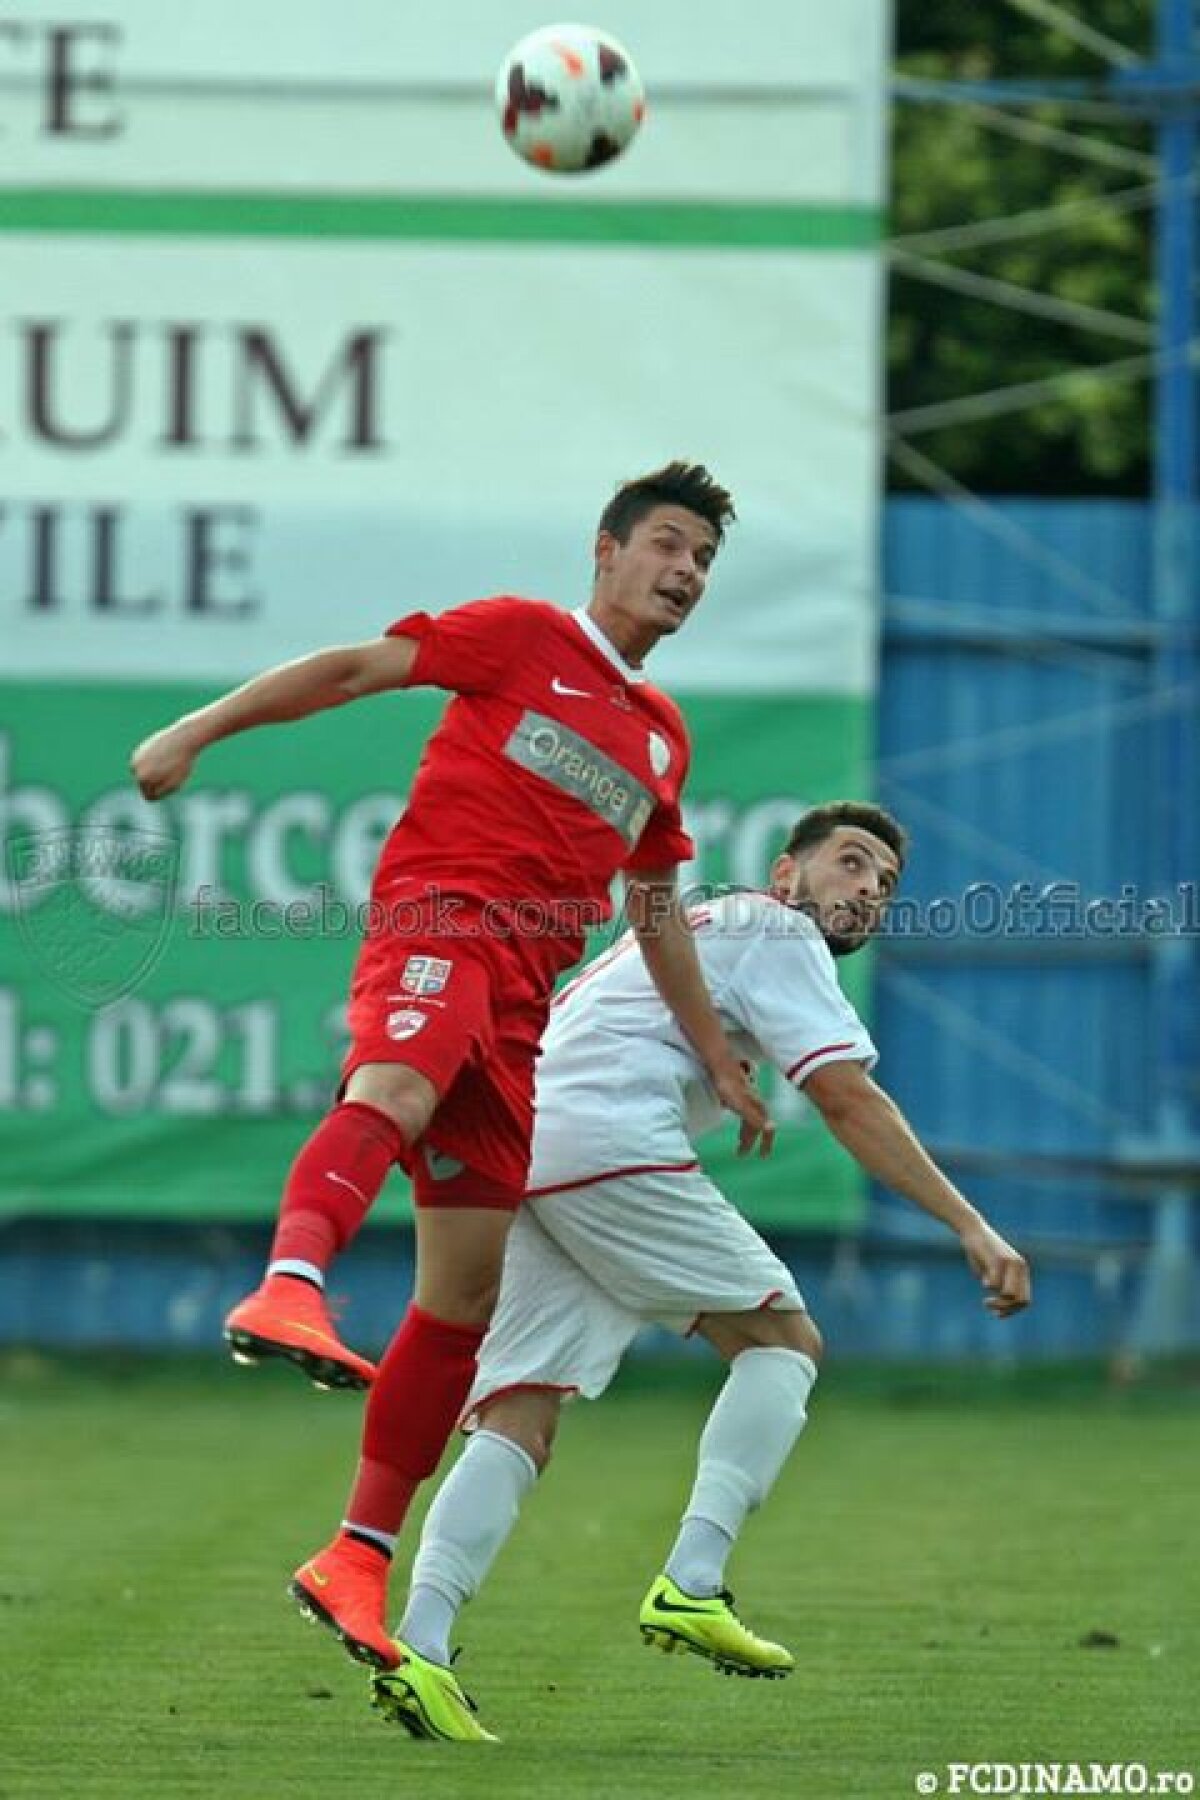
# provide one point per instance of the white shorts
(586, 1269)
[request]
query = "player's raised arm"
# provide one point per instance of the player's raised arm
(876, 1133)
(161, 763)
(664, 936)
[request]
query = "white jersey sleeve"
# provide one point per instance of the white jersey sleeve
(621, 1090)
(784, 992)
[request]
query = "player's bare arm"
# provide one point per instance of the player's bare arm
(665, 939)
(161, 763)
(876, 1133)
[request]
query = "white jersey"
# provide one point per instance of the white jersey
(619, 1088)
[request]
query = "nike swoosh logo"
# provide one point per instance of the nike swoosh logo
(331, 1175)
(316, 1577)
(560, 687)
(661, 1605)
(312, 1331)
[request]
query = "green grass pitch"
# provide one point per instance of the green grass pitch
(934, 1554)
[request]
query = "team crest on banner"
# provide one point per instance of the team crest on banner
(425, 974)
(93, 907)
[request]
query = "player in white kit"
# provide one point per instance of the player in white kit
(622, 1228)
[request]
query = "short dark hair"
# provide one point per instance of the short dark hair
(820, 822)
(676, 484)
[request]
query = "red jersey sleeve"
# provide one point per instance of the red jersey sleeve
(663, 844)
(469, 648)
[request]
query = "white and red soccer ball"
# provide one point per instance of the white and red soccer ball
(569, 98)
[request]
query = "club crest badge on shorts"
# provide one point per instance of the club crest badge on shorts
(405, 1023)
(425, 974)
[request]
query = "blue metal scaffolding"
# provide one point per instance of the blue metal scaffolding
(1164, 93)
(1170, 88)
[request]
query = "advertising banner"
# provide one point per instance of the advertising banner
(347, 357)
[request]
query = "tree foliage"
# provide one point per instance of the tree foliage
(950, 168)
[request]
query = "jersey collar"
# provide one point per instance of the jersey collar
(592, 631)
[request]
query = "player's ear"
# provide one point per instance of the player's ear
(783, 871)
(606, 548)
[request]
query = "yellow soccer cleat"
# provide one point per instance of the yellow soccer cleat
(709, 1627)
(426, 1698)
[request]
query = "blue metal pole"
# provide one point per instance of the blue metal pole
(1166, 90)
(1166, 1298)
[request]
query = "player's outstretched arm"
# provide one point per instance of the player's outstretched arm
(665, 938)
(163, 762)
(876, 1133)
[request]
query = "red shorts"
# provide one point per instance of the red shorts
(466, 1024)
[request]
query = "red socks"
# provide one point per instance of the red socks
(426, 1374)
(333, 1182)
(413, 1406)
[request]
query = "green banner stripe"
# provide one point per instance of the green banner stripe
(165, 1051)
(461, 218)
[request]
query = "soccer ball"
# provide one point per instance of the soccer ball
(569, 98)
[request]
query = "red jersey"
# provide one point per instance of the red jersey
(556, 766)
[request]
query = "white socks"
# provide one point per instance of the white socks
(756, 1420)
(383, 1540)
(474, 1512)
(295, 1265)
(750, 1433)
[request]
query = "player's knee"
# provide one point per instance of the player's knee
(407, 1098)
(410, 1110)
(459, 1297)
(806, 1337)
(772, 1330)
(528, 1418)
(460, 1262)
(540, 1446)
(768, 1328)
(479, 1298)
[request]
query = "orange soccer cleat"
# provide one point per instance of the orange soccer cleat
(287, 1317)
(344, 1588)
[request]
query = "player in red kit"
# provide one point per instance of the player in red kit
(556, 767)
